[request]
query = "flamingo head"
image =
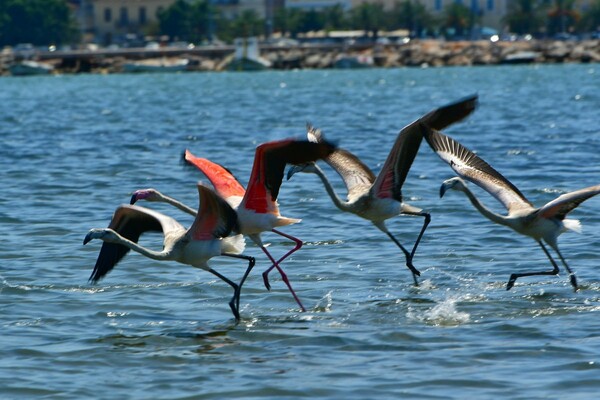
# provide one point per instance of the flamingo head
(308, 168)
(455, 183)
(145, 194)
(108, 235)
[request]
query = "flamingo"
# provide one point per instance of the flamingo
(378, 198)
(543, 224)
(206, 238)
(257, 208)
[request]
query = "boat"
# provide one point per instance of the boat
(521, 57)
(247, 56)
(157, 65)
(30, 67)
(345, 61)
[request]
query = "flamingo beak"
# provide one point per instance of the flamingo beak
(87, 238)
(294, 169)
(133, 199)
(443, 189)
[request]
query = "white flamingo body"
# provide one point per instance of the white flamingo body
(253, 223)
(379, 198)
(376, 209)
(204, 240)
(543, 224)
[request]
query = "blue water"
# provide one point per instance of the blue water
(74, 147)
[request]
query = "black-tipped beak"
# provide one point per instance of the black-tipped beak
(133, 199)
(291, 171)
(443, 189)
(87, 239)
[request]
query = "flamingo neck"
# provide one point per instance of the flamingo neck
(339, 203)
(486, 212)
(179, 205)
(155, 255)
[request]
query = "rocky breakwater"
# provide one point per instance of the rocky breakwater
(415, 53)
(437, 53)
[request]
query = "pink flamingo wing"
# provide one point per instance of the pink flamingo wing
(215, 217)
(257, 196)
(224, 182)
(385, 188)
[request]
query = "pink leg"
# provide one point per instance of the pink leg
(297, 247)
(281, 272)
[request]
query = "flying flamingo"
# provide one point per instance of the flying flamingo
(206, 238)
(543, 224)
(257, 208)
(378, 198)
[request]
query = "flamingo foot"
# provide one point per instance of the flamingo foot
(574, 282)
(234, 309)
(265, 276)
(511, 282)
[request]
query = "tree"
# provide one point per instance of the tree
(590, 20)
(175, 20)
(247, 24)
(39, 22)
(186, 20)
(524, 16)
(334, 18)
(562, 17)
(369, 17)
(411, 15)
(457, 19)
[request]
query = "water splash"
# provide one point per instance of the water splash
(325, 303)
(444, 313)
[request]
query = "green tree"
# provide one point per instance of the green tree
(335, 18)
(457, 18)
(562, 17)
(524, 16)
(187, 20)
(175, 20)
(288, 20)
(411, 15)
(590, 20)
(247, 24)
(369, 17)
(40, 22)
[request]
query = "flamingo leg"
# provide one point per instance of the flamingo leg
(408, 256)
(251, 262)
(572, 277)
(283, 276)
(236, 292)
(513, 277)
(426, 222)
(296, 248)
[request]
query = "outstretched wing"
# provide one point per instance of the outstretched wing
(449, 114)
(564, 204)
(397, 165)
(395, 169)
(468, 165)
(130, 222)
(215, 218)
(356, 175)
(270, 160)
(221, 178)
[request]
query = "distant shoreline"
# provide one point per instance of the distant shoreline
(416, 53)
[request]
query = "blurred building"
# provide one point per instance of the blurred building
(105, 20)
(489, 12)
